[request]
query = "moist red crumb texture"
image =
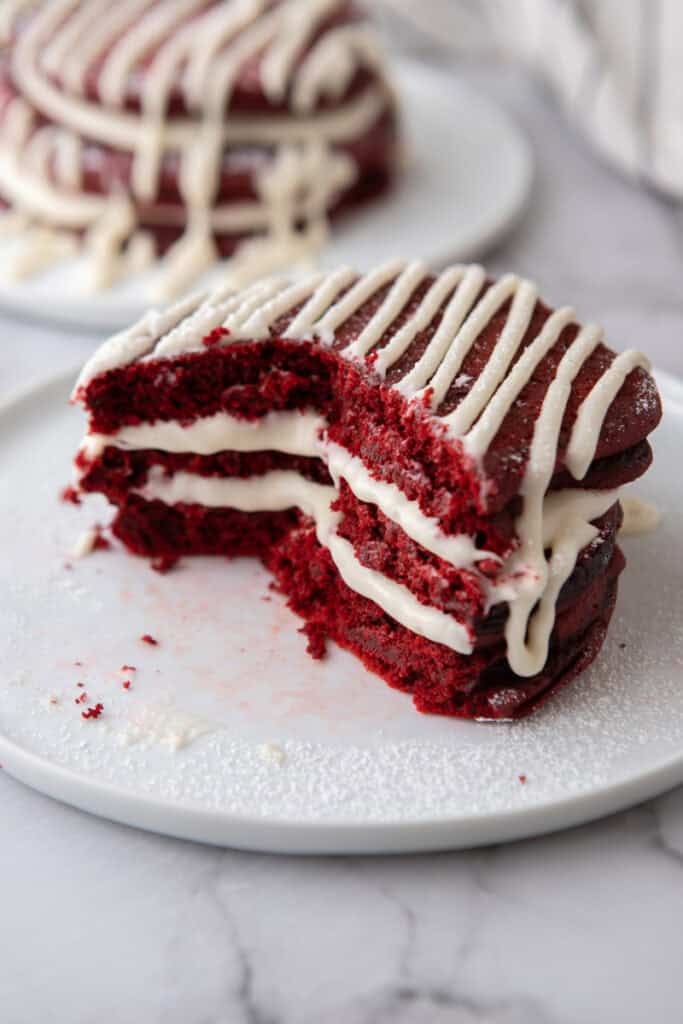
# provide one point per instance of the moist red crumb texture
(428, 466)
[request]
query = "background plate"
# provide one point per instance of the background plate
(468, 175)
(278, 752)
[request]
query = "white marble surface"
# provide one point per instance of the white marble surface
(101, 924)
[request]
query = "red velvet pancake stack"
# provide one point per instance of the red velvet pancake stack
(429, 466)
(191, 124)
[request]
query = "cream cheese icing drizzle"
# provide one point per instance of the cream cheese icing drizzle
(457, 307)
(200, 47)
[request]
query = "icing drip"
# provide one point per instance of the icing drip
(466, 334)
(256, 326)
(36, 251)
(321, 298)
(211, 36)
(476, 442)
(72, 33)
(363, 289)
(483, 389)
(131, 47)
(471, 281)
(201, 48)
(591, 414)
(68, 157)
(137, 341)
(405, 284)
(527, 635)
(458, 308)
(328, 71)
(105, 239)
(297, 26)
(193, 253)
(403, 339)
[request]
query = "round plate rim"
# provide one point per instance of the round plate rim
(331, 837)
(270, 835)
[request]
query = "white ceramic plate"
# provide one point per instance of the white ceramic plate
(468, 175)
(283, 753)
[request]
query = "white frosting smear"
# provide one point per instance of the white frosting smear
(639, 516)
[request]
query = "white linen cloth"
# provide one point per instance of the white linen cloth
(616, 65)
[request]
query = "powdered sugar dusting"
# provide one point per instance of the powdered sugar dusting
(579, 743)
(161, 725)
(230, 679)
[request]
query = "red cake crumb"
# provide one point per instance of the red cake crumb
(81, 685)
(126, 684)
(128, 668)
(148, 639)
(81, 699)
(100, 542)
(316, 646)
(522, 779)
(94, 712)
(215, 336)
(78, 663)
(164, 564)
(71, 495)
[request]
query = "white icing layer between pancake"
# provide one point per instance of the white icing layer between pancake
(297, 433)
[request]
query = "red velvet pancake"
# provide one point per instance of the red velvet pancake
(429, 466)
(206, 122)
